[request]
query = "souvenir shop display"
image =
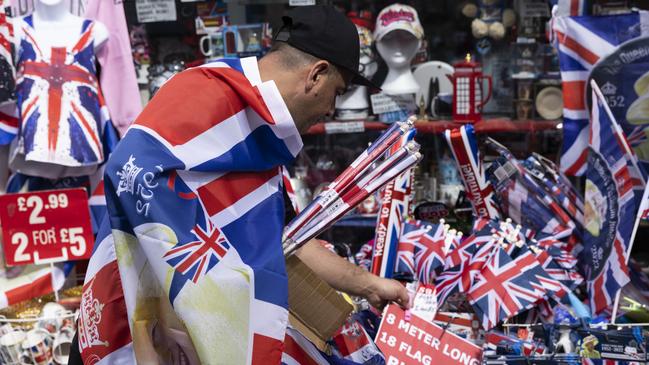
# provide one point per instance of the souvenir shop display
(499, 176)
(354, 104)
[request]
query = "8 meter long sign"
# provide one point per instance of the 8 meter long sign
(46, 226)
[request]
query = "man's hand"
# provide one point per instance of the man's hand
(382, 291)
(351, 279)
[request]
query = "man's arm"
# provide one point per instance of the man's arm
(351, 279)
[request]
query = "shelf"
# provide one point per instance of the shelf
(491, 125)
(357, 220)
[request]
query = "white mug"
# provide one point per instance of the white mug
(10, 347)
(52, 314)
(61, 346)
(6, 328)
(38, 345)
(214, 45)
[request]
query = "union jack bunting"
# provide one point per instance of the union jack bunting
(613, 194)
(581, 42)
(184, 189)
(504, 287)
(479, 191)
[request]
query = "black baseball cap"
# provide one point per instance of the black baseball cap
(324, 32)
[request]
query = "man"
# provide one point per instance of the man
(188, 267)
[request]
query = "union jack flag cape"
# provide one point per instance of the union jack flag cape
(192, 246)
(613, 193)
(581, 42)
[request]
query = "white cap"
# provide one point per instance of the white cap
(398, 16)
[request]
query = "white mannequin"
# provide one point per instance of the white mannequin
(398, 48)
(53, 22)
(353, 104)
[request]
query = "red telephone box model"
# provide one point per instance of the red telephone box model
(467, 91)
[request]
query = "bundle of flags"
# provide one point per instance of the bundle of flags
(392, 154)
(421, 251)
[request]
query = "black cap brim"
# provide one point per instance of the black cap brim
(359, 79)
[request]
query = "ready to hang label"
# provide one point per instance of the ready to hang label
(46, 226)
(417, 341)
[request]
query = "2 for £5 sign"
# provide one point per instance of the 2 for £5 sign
(417, 341)
(46, 226)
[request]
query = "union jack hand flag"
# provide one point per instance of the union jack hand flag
(613, 195)
(504, 287)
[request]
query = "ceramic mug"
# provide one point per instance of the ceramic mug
(52, 317)
(211, 45)
(61, 346)
(38, 346)
(10, 347)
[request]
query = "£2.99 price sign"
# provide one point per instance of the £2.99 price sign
(46, 226)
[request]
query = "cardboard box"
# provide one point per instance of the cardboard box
(315, 308)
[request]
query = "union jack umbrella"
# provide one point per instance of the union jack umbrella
(613, 195)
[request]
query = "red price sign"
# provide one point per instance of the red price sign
(46, 226)
(416, 341)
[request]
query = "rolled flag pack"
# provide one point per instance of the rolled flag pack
(393, 210)
(369, 172)
(463, 143)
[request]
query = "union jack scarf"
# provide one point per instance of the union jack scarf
(192, 244)
(581, 42)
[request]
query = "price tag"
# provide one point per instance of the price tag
(418, 341)
(344, 127)
(46, 226)
(301, 2)
(383, 103)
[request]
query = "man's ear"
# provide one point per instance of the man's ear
(316, 74)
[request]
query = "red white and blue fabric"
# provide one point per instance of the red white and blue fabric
(392, 213)
(196, 216)
(570, 7)
(495, 338)
(504, 287)
(479, 191)
(62, 111)
(30, 282)
(421, 253)
(462, 264)
(581, 42)
(613, 193)
(519, 204)
(353, 343)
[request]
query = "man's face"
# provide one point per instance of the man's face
(323, 84)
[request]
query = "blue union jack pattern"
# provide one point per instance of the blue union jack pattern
(195, 223)
(504, 287)
(613, 194)
(582, 41)
(422, 251)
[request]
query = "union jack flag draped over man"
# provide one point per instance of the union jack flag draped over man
(613, 193)
(183, 189)
(581, 42)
